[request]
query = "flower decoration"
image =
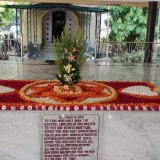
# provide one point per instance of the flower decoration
(70, 57)
(97, 95)
(67, 68)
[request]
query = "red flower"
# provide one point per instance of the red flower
(71, 57)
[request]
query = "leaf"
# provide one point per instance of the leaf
(128, 23)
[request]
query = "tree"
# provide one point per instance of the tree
(128, 24)
(6, 16)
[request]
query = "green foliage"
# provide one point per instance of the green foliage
(6, 16)
(70, 56)
(156, 58)
(128, 24)
(133, 57)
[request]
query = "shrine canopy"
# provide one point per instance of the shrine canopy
(140, 3)
(45, 6)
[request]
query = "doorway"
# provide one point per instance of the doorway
(54, 22)
(58, 23)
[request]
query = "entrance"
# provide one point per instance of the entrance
(54, 23)
(58, 23)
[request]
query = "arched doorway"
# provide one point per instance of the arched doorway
(54, 22)
(58, 23)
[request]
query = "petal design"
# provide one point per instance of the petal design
(54, 93)
(140, 92)
(6, 90)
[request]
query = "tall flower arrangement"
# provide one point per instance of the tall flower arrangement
(70, 57)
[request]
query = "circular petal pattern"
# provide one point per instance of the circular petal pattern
(53, 92)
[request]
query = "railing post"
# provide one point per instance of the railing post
(107, 40)
(22, 47)
(95, 55)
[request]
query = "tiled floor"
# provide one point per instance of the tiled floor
(33, 69)
(124, 135)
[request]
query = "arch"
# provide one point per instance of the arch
(71, 21)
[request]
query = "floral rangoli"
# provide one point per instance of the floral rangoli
(85, 95)
(52, 92)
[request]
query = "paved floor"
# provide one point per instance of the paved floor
(32, 69)
(132, 134)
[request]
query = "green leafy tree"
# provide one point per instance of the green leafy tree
(128, 24)
(6, 16)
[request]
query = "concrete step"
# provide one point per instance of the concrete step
(47, 55)
(47, 47)
(47, 50)
(34, 61)
(48, 44)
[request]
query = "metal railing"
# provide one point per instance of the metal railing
(10, 47)
(128, 51)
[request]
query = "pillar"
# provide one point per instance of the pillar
(152, 12)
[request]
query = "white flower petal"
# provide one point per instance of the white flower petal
(85, 108)
(140, 90)
(22, 107)
(36, 107)
(43, 107)
(129, 108)
(61, 108)
(4, 89)
(29, 107)
(13, 107)
(136, 108)
(101, 108)
(144, 108)
(121, 108)
(93, 108)
(108, 108)
(4, 107)
(50, 108)
(76, 108)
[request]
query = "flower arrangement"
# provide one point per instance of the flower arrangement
(97, 95)
(70, 57)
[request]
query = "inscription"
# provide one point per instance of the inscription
(70, 137)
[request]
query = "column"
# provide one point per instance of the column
(152, 12)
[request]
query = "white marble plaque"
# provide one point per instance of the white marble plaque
(70, 137)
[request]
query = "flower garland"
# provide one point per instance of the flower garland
(98, 107)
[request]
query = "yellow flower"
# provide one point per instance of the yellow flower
(67, 68)
(67, 78)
